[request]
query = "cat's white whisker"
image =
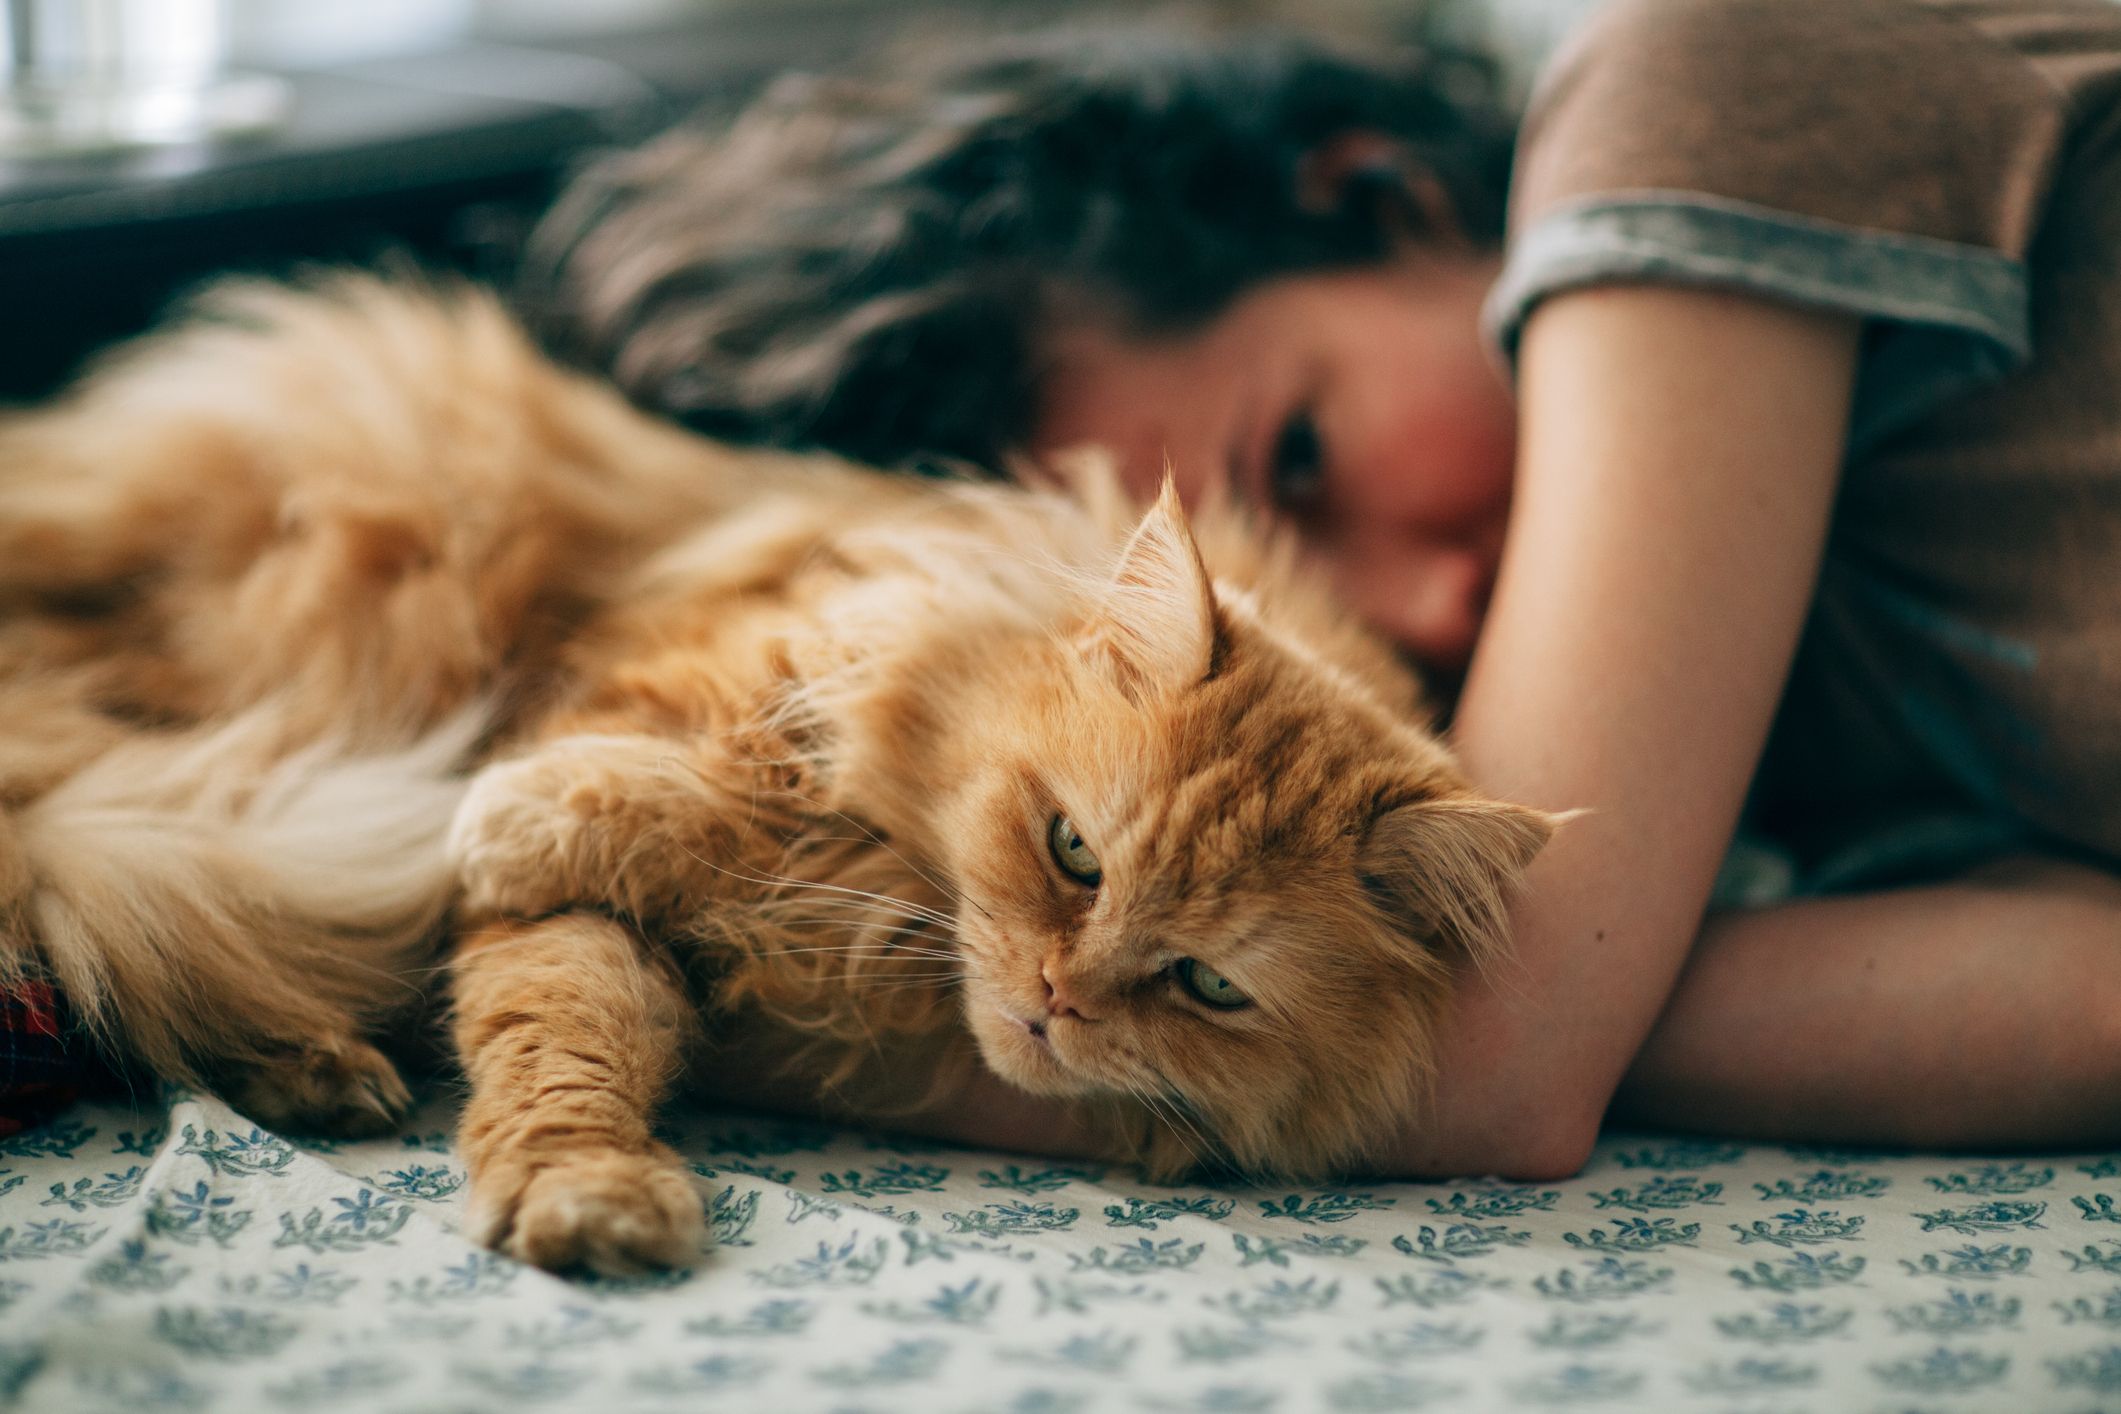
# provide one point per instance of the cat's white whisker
(863, 907)
(904, 907)
(1168, 1117)
(872, 837)
(909, 984)
(884, 941)
(856, 951)
(864, 918)
(1179, 1106)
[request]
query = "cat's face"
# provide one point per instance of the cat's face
(1207, 870)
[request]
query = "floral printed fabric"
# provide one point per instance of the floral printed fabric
(188, 1260)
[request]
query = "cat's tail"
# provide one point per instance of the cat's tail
(206, 900)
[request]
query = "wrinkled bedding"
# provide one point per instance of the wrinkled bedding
(182, 1258)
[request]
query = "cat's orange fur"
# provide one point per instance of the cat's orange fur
(722, 744)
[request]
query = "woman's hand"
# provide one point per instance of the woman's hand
(1678, 462)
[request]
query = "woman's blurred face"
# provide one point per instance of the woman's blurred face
(1359, 405)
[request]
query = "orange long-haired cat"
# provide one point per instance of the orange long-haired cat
(337, 623)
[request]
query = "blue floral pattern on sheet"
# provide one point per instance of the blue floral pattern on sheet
(189, 1260)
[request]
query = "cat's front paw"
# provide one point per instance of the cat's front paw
(601, 1210)
(518, 843)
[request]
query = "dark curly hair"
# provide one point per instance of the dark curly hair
(870, 265)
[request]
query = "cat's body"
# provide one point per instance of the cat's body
(888, 776)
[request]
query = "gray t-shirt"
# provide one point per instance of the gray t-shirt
(1950, 171)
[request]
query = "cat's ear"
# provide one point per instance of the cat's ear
(1447, 868)
(1153, 626)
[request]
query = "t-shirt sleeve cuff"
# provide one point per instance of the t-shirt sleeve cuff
(1942, 317)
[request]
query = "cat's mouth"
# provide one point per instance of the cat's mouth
(1035, 1033)
(1026, 1052)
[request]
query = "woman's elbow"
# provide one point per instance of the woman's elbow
(1549, 1157)
(1553, 1143)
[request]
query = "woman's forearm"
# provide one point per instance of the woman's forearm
(1984, 1013)
(1678, 468)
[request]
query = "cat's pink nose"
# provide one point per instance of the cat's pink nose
(1058, 1002)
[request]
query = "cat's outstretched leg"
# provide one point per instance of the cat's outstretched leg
(571, 1033)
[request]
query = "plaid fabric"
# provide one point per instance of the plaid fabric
(37, 1074)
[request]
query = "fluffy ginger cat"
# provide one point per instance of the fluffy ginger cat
(338, 624)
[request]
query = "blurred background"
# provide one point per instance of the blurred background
(148, 144)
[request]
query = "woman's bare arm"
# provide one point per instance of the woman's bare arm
(1679, 458)
(1980, 1013)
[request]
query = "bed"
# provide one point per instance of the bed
(179, 1257)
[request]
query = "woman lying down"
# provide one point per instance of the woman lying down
(1080, 814)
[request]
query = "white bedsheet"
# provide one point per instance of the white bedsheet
(183, 1259)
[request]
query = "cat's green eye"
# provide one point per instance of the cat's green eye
(1071, 854)
(1209, 985)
